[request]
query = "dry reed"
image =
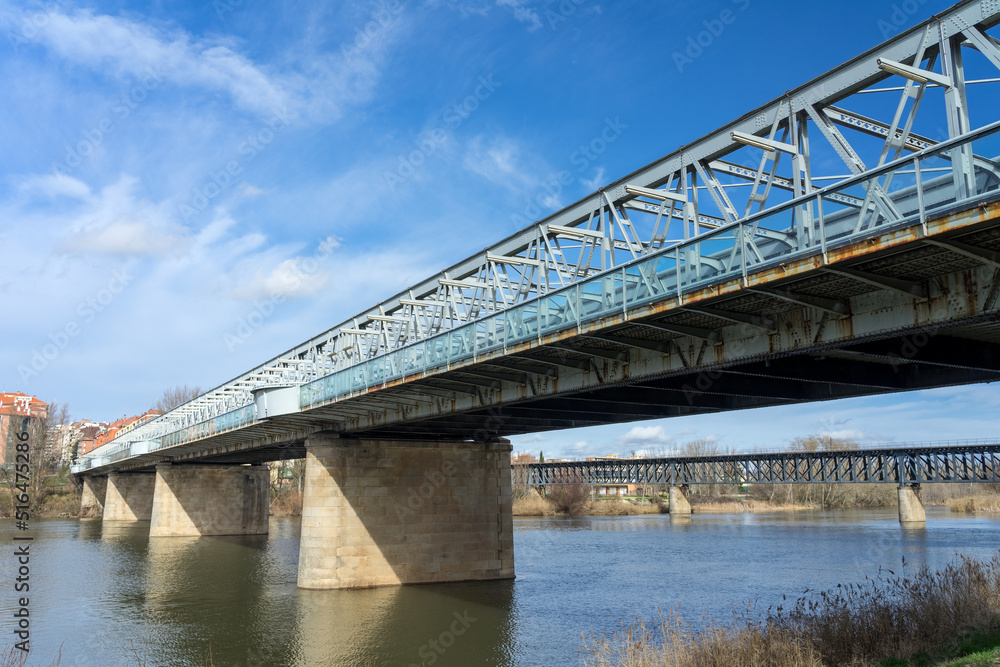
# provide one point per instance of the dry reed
(532, 504)
(888, 616)
(288, 503)
(747, 507)
(981, 502)
(619, 507)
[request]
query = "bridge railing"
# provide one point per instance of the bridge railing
(898, 193)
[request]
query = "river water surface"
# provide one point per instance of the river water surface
(102, 593)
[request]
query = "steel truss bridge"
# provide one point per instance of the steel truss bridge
(898, 465)
(840, 240)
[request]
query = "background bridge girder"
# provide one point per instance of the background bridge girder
(958, 464)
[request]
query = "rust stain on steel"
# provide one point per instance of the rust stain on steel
(806, 265)
(972, 216)
(799, 267)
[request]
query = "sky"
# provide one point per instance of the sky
(190, 188)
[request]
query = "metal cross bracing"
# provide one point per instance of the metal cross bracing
(902, 132)
(973, 463)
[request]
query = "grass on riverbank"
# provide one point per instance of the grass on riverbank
(54, 504)
(288, 503)
(891, 621)
(532, 504)
(980, 502)
(746, 507)
(977, 650)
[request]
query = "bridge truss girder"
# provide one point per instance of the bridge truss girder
(897, 466)
(762, 161)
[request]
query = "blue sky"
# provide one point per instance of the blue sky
(171, 167)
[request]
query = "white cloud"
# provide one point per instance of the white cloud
(522, 13)
(646, 436)
(290, 278)
(503, 161)
(495, 160)
(595, 182)
(851, 434)
(126, 237)
(521, 10)
(248, 191)
(320, 87)
(579, 448)
(114, 221)
(328, 245)
(55, 185)
(120, 46)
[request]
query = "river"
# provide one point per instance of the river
(103, 594)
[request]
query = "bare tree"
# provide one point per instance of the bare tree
(36, 456)
(176, 396)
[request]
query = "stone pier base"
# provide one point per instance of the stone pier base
(379, 513)
(679, 503)
(209, 500)
(94, 492)
(911, 510)
(129, 496)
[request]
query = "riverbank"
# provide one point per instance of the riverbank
(66, 504)
(986, 503)
(532, 504)
(889, 621)
(53, 505)
(747, 507)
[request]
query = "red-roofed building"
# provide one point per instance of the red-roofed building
(113, 430)
(14, 408)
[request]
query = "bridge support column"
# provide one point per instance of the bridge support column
(209, 499)
(679, 503)
(129, 496)
(911, 510)
(94, 492)
(379, 512)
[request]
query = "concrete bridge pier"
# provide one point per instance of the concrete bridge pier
(94, 493)
(209, 499)
(911, 510)
(382, 512)
(129, 496)
(679, 502)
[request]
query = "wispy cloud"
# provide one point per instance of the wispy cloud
(113, 221)
(523, 13)
(320, 86)
(645, 437)
(521, 10)
(504, 161)
(595, 182)
(54, 185)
